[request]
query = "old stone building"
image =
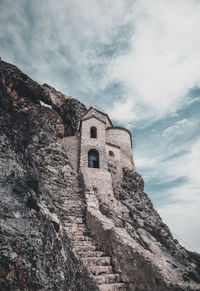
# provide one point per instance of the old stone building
(99, 144)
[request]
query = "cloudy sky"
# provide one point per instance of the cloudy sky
(139, 61)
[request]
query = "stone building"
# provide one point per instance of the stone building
(99, 144)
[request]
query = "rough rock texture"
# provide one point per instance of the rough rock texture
(24, 93)
(44, 239)
(35, 177)
(126, 226)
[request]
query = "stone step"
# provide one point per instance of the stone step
(73, 232)
(69, 214)
(98, 270)
(74, 219)
(84, 243)
(113, 287)
(74, 201)
(72, 226)
(76, 237)
(69, 206)
(106, 278)
(73, 204)
(74, 210)
(92, 254)
(85, 248)
(74, 195)
(98, 261)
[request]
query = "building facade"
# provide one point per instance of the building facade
(100, 145)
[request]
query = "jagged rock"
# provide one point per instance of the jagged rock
(49, 239)
(36, 253)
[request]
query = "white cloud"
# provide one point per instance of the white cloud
(64, 35)
(179, 128)
(124, 110)
(184, 222)
(68, 49)
(180, 209)
(164, 59)
(186, 166)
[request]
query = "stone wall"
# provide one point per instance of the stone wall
(88, 143)
(122, 138)
(114, 162)
(115, 150)
(140, 260)
(71, 145)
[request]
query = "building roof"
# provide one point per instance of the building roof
(105, 114)
(93, 116)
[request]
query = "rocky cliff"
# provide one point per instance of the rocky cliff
(51, 237)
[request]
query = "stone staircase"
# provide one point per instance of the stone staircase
(96, 261)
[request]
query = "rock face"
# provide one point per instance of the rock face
(36, 252)
(57, 233)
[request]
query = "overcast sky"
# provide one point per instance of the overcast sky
(139, 61)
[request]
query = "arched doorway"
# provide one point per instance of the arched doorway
(93, 159)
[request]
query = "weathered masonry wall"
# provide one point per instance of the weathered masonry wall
(121, 138)
(71, 145)
(114, 162)
(137, 266)
(88, 143)
(115, 150)
(101, 181)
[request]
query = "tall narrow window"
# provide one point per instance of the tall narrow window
(93, 132)
(93, 159)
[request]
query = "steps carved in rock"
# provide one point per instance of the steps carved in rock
(97, 262)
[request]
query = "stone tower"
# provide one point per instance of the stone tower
(103, 145)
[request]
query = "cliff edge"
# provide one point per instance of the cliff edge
(58, 232)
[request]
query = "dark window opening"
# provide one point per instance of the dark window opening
(93, 132)
(111, 153)
(93, 159)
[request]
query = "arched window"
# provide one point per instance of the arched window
(93, 159)
(93, 132)
(111, 153)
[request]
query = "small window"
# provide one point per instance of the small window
(111, 153)
(93, 132)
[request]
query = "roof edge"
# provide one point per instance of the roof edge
(93, 116)
(105, 114)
